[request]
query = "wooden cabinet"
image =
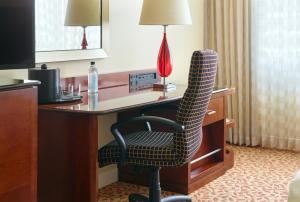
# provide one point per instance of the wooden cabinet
(211, 161)
(18, 145)
(215, 111)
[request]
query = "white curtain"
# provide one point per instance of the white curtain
(275, 73)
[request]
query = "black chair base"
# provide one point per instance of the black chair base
(137, 198)
(141, 198)
(155, 191)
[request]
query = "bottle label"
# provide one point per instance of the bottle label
(93, 83)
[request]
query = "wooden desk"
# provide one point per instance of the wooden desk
(68, 139)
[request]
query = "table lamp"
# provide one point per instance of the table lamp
(83, 13)
(165, 12)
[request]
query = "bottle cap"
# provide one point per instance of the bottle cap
(93, 63)
(44, 67)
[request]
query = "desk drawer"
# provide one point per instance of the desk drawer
(215, 111)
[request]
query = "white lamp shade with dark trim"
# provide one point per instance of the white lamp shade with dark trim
(83, 13)
(165, 12)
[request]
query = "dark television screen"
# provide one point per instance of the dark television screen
(17, 47)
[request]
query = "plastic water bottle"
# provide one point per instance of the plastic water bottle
(93, 79)
(92, 101)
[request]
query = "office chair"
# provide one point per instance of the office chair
(156, 149)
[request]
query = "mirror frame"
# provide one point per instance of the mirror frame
(74, 55)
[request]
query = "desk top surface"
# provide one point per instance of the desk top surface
(119, 99)
(7, 83)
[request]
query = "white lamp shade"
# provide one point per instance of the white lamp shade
(83, 13)
(165, 12)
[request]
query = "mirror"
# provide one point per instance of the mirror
(57, 42)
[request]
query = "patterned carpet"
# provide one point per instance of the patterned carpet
(259, 175)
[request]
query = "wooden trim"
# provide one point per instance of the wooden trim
(108, 80)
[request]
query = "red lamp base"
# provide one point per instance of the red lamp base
(84, 42)
(164, 62)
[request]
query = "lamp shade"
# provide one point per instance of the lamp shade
(165, 12)
(83, 13)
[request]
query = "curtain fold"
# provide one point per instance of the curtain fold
(228, 32)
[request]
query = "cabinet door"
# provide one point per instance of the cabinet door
(18, 145)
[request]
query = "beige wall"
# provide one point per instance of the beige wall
(132, 46)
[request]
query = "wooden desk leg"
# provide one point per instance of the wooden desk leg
(67, 157)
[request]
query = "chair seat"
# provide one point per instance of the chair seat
(143, 148)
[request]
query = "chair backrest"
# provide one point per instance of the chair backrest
(194, 103)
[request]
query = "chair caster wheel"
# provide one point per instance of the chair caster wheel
(137, 198)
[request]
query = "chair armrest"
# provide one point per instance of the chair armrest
(119, 137)
(168, 122)
(155, 108)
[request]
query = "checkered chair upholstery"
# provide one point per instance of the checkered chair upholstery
(163, 149)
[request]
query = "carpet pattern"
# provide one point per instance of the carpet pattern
(259, 175)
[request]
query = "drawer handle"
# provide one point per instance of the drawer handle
(211, 112)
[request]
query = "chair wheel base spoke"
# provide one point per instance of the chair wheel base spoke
(137, 198)
(177, 199)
